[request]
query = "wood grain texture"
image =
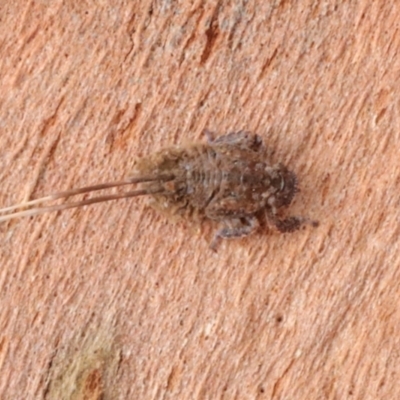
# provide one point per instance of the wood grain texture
(116, 301)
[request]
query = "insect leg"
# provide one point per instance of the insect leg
(290, 224)
(242, 139)
(209, 135)
(238, 227)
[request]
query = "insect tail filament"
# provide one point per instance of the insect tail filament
(87, 189)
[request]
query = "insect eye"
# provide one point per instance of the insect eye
(277, 182)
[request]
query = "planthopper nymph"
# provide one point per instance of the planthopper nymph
(230, 180)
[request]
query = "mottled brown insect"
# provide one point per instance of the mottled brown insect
(230, 180)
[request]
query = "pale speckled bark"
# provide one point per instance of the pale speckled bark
(115, 300)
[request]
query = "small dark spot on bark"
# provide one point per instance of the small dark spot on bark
(212, 34)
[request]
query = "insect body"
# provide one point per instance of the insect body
(230, 180)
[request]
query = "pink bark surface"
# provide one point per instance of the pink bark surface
(114, 301)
